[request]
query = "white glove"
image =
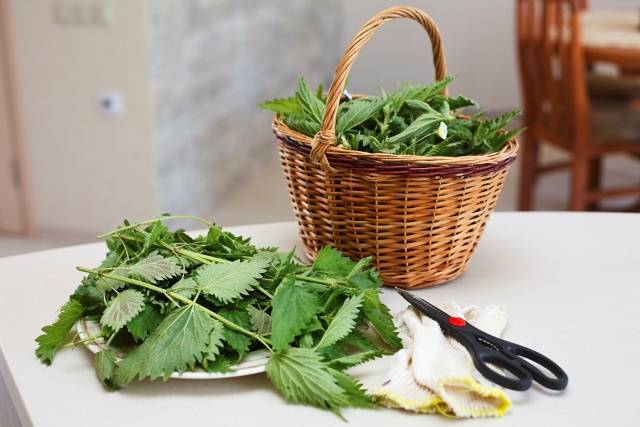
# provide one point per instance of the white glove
(442, 369)
(400, 389)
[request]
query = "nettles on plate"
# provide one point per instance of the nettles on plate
(173, 303)
(414, 120)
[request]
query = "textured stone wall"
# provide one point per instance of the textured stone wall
(212, 62)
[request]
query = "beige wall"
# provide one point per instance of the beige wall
(88, 170)
(479, 41)
(212, 63)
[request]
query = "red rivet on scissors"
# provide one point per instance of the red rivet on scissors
(457, 321)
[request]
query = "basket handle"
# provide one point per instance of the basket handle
(327, 135)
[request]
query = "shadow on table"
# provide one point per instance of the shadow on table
(191, 387)
(211, 387)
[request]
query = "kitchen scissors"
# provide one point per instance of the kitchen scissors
(485, 350)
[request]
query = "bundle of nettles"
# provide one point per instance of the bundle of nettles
(414, 120)
(168, 302)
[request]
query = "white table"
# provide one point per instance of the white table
(571, 283)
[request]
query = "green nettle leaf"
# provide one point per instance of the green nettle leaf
(311, 105)
(213, 235)
(260, 320)
(231, 280)
(358, 112)
(445, 149)
(236, 340)
(491, 135)
(220, 365)
(54, 334)
(145, 322)
(104, 284)
(497, 142)
(427, 92)
(368, 279)
(460, 131)
(419, 92)
(282, 105)
(186, 287)
(403, 122)
(176, 344)
(350, 360)
(155, 267)
(122, 308)
(418, 105)
(316, 320)
(284, 266)
(357, 340)
(105, 363)
(380, 319)
(302, 125)
(331, 261)
(460, 102)
(343, 322)
(353, 349)
(294, 307)
(215, 344)
(355, 393)
(424, 125)
(301, 376)
(360, 266)
(157, 230)
(91, 298)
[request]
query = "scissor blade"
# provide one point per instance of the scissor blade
(422, 305)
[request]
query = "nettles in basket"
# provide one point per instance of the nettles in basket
(168, 302)
(414, 120)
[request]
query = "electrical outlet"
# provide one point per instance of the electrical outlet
(111, 103)
(83, 13)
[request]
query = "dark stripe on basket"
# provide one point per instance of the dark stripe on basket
(364, 165)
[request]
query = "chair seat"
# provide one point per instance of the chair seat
(615, 120)
(623, 87)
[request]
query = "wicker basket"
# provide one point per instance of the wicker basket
(420, 217)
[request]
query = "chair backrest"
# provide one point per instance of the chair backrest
(552, 70)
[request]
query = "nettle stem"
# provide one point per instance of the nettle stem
(175, 296)
(332, 283)
(151, 221)
(201, 258)
(83, 341)
(264, 291)
(198, 257)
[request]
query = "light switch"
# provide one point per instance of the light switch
(83, 13)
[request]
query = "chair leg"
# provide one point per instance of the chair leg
(595, 177)
(528, 166)
(579, 181)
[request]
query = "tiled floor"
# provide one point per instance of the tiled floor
(264, 199)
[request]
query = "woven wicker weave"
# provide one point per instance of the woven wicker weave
(420, 217)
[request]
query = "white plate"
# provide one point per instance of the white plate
(254, 362)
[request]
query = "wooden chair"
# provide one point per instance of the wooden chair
(558, 109)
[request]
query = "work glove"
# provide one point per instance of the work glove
(435, 373)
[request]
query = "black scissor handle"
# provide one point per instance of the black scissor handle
(485, 350)
(521, 379)
(558, 381)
